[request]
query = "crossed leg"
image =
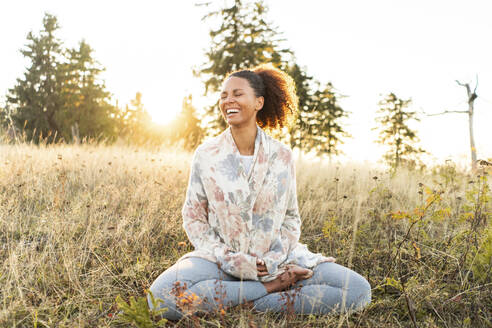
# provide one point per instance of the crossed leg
(331, 288)
(204, 279)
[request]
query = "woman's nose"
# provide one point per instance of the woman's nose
(229, 99)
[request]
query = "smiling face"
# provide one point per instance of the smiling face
(238, 102)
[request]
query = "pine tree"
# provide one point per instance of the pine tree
(395, 133)
(36, 98)
(60, 94)
(8, 130)
(298, 130)
(136, 121)
(316, 126)
(3, 117)
(243, 40)
(87, 102)
(324, 132)
(187, 129)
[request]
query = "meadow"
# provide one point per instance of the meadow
(83, 225)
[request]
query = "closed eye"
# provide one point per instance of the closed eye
(236, 95)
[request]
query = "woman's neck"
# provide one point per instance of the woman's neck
(244, 137)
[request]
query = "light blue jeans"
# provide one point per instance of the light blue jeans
(332, 288)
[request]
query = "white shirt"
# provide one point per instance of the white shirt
(247, 160)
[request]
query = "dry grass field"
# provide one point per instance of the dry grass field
(80, 225)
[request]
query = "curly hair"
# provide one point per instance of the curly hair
(278, 90)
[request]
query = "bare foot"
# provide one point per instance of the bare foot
(293, 274)
(300, 272)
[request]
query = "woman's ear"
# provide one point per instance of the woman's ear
(259, 103)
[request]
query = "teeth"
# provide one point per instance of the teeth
(230, 111)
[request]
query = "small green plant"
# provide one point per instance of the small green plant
(482, 266)
(478, 214)
(478, 242)
(329, 227)
(138, 313)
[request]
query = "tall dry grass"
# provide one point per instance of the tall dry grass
(82, 224)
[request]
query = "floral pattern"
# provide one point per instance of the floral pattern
(233, 218)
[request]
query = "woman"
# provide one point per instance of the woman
(241, 215)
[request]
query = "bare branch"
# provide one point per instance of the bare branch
(460, 83)
(203, 4)
(449, 112)
(476, 85)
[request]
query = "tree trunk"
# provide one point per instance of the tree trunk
(75, 133)
(53, 126)
(471, 100)
(472, 139)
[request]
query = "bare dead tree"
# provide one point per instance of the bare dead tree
(471, 99)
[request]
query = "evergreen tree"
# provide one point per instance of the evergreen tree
(8, 131)
(244, 39)
(395, 133)
(298, 130)
(36, 98)
(60, 94)
(316, 126)
(324, 132)
(87, 102)
(187, 127)
(3, 117)
(136, 121)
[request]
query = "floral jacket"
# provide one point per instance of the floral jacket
(232, 218)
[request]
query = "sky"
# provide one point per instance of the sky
(366, 49)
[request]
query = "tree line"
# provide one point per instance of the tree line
(61, 96)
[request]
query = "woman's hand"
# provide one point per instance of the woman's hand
(293, 274)
(261, 267)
